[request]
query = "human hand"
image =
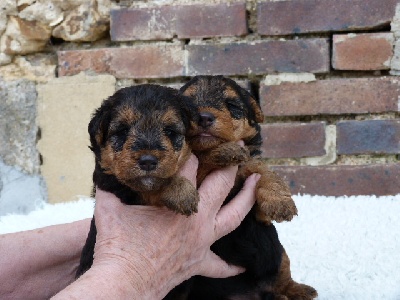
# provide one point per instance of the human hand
(151, 249)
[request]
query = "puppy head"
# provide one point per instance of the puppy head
(138, 135)
(227, 112)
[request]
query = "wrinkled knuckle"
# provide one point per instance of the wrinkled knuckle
(226, 181)
(236, 217)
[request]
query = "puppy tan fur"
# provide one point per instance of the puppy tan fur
(228, 113)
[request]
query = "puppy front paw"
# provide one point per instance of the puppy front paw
(181, 196)
(273, 197)
(274, 204)
(228, 154)
(299, 291)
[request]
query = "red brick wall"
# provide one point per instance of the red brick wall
(346, 46)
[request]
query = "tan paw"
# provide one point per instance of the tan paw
(274, 205)
(181, 197)
(229, 154)
(300, 291)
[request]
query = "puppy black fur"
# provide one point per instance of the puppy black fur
(138, 139)
(254, 245)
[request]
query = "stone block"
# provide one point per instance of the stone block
(200, 21)
(305, 16)
(18, 129)
(183, 21)
(259, 57)
(65, 108)
(332, 97)
(368, 137)
(129, 24)
(37, 68)
(344, 180)
(88, 22)
(293, 140)
(144, 61)
(24, 37)
(363, 52)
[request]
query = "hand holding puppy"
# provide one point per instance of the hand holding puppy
(142, 252)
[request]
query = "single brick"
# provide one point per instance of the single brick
(148, 61)
(342, 180)
(261, 57)
(130, 24)
(333, 96)
(370, 51)
(198, 21)
(372, 136)
(145, 61)
(76, 61)
(293, 140)
(185, 21)
(305, 16)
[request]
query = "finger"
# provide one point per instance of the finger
(215, 267)
(240, 143)
(189, 169)
(104, 198)
(105, 204)
(232, 214)
(216, 187)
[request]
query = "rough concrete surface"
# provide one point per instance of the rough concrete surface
(18, 128)
(67, 161)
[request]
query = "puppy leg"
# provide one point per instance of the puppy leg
(274, 200)
(180, 196)
(226, 154)
(286, 286)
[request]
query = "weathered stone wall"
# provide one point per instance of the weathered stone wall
(18, 124)
(325, 73)
(64, 110)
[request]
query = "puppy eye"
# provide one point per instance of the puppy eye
(233, 104)
(118, 137)
(121, 131)
(175, 135)
(235, 109)
(172, 132)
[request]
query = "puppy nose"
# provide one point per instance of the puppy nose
(148, 162)
(206, 119)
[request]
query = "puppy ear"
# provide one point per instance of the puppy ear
(246, 96)
(189, 111)
(98, 126)
(259, 116)
(190, 88)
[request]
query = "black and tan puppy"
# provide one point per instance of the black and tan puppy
(228, 113)
(138, 139)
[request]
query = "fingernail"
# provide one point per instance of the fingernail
(253, 178)
(257, 176)
(240, 143)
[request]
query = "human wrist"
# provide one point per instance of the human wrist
(101, 282)
(133, 274)
(118, 280)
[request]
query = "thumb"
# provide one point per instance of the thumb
(215, 267)
(232, 214)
